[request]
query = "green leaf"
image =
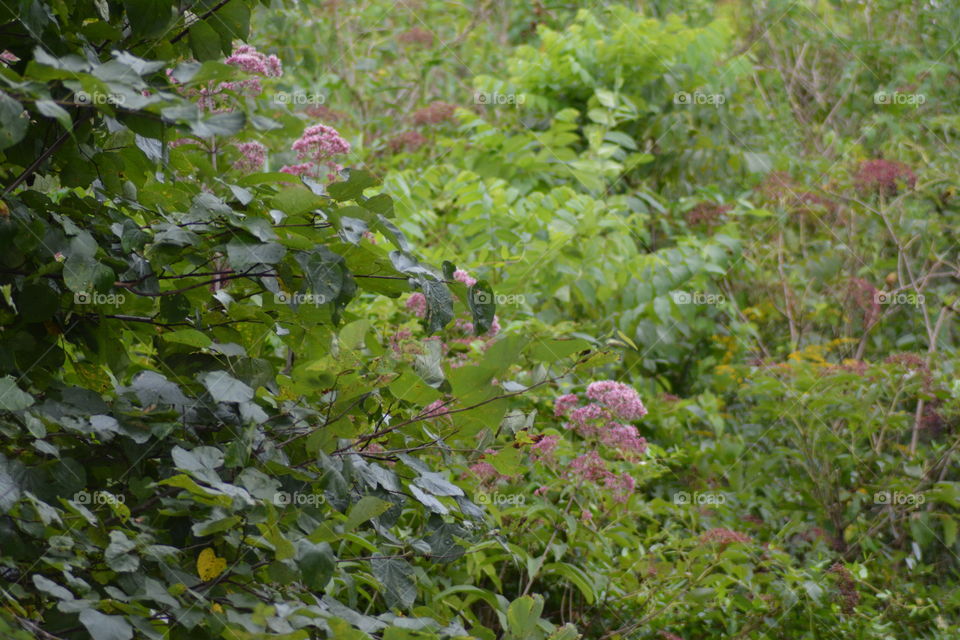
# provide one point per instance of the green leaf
(508, 461)
(104, 627)
(353, 187)
(556, 349)
(523, 616)
(11, 397)
(242, 256)
(396, 576)
(13, 121)
(232, 22)
(439, 303)
(367, 508)
(483, 306)
(225, 388)
(204, 42)
(148, 17)
(189, 337)
(50, 587)
(51, 109)
(317, 563)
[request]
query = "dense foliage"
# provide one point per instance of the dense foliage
(478, 320)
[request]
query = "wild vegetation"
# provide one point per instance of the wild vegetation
(520, 321)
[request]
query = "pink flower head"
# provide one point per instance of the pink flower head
(254, 156)
(540, 491)
(563, 404)
(494, 327)
(582, 417)
(462, 276)
(464, 325)
(9, 57)
(435, 408)
(621, 485)
(586, 516)
(724, 537)
(591, 467)
(297, 169)
(320, 142)
(622, 399)
(417, 304)
(624, 438)
(252, 61)
(485, 471)
(545, 447)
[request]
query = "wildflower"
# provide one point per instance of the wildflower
(541, 491)
(417, 303)
(408, 141)
(586, 516)
(624, 438)
(319, 143)
(416, 36)
(252, 61)
(462, 276)
(591, 467)
(884, 176)
(435, 408)
(8, 57)
(254, 156)
(847, 587)
(581, 418)
(297, 169)
(724, 537)
(620, 398)
(544, 448)
(434, 113)
(622, 486)
(563, 404)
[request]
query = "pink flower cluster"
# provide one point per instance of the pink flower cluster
(611, 401)
(462, 276)
(591, 467)
(417, 304)
(724, 537)
(254, 155)
(316, 147)
(252, 61)
(618, 397)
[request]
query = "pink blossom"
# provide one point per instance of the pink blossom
(297, 169)
(494, 327)
(435, 408)
(417, 304)
(320, 142)
(724, 537)
(581, 418)
(252, 61)
(622, 486)
(9, 57)
(485, 471)
(464, 325)
(591, 467)
(563, 404)
(462, 276)
(254, 156)
(397, 338)
(540, 491)
(545, 447)
(624, 438)
(622, 399)
(586, 516)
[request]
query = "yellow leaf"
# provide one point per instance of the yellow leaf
(209, 566)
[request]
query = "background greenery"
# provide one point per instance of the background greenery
(236, 403)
